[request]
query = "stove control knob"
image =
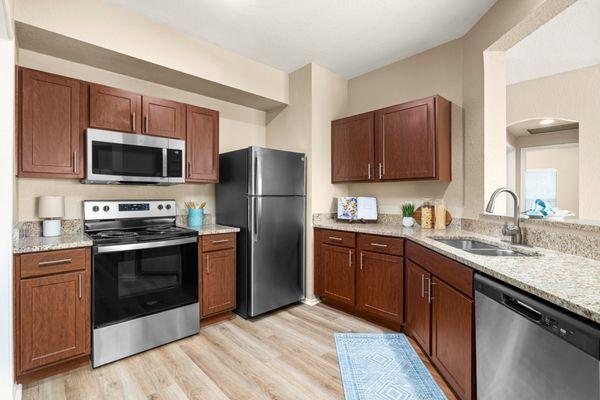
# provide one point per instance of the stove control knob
(168, 206)
(95, 208)
(106, 208)
(160, 206)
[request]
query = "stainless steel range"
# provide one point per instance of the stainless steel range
(145, 277)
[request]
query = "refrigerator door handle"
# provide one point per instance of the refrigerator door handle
(257, 218)
(259, 174)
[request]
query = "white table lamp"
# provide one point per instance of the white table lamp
(51, 209)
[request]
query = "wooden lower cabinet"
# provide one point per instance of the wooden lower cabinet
(218, 274)
(337, 274)
(379, 277)
(404, 286)
(452, 336)
(52, 312)
(418, 316)
(361, 274)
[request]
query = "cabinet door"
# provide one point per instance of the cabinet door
(380, 284)
(338, 273)
(452, 337)
(163, 118)
(418, 316)
(218, 281)
(53, 319)
(50, 137)
(202, 145)
(406, 147)
(115, 109)
(353, 148)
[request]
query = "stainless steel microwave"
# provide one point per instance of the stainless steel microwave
(117, 157)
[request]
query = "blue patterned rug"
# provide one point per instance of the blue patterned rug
(383, 367)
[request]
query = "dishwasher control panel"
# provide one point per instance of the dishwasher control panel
(582, 334)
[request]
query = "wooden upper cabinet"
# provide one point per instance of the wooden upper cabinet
(202, 145)
(380, 283)
(352, 148)
(163, 117)
(452, 337)
(218, 281)
(115, 109)
(418, 315)
(53, 319)
(50, 134)
(409, 141)
(337, 273)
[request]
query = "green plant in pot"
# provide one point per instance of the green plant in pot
(408, 211)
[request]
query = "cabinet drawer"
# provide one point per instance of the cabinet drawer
(51, 262)
(218, 242)
(456, 274)
(338, 238)
(381, 244)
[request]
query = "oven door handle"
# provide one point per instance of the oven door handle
(145, 245)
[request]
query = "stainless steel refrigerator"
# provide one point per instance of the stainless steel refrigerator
(263, 192)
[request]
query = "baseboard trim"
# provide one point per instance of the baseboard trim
(18, 391)
(311, 302)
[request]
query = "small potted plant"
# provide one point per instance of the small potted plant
(408, 210)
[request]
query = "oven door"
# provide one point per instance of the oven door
(133, 280)
(117, 157)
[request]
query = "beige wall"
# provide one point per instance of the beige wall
(500, 19)
(107, 26)
(316, 97)
(239, 127)
(574, 96)
(436, 71)
(566, 162)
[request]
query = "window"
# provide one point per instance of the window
(540, 184)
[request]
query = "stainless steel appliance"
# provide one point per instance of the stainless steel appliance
(263, 192)
(117, 157)
(144, 277)
(531, 350)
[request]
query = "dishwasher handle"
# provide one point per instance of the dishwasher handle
(521, 308)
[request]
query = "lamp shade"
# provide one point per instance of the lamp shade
(51, 207)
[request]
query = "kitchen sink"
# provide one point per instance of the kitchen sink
(480, 248)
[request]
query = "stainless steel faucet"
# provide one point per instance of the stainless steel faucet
(513, 231)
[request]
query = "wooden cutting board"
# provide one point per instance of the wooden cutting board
(417, 217)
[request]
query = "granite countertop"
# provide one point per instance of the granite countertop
(212, 229)
(31, 244)
(568, 281)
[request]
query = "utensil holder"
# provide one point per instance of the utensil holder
(195, 217)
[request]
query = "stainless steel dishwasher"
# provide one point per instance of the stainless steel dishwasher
(530, 350)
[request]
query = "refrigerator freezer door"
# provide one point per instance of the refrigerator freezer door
(277, 173)
(277, 248)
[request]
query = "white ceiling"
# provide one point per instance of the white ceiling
(349, 37)
(569, 41)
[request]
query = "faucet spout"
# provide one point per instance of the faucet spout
(515, 230)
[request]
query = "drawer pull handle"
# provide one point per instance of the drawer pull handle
(379, 245)
(220, 241)
(335, 238)
(54, 262)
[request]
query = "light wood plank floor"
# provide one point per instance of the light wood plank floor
(289, 354)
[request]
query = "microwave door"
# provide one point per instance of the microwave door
(117, 157)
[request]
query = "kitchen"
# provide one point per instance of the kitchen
(271, 144)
